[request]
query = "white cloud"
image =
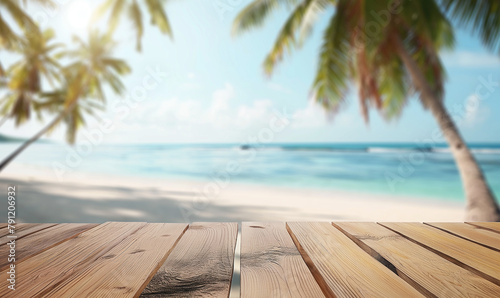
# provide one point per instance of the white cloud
(311, 116)
(183, 119)
(474, 112)
(470, 59)
(471, 108)
(256, 113)
(185, 112)
(222, 113)
(217, 114)
(168, 111)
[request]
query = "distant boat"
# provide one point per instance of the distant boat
(245, 147)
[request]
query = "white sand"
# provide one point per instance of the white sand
(82, 197)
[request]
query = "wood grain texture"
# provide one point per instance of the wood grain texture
(346, 270)
(28, 230)
(126, 269)
(431, 274)
(481, 260)
(201, 264)
(271, 265)
(473, 233)
(43, 272)
(494, 226)
(18, 228)
(36, 243)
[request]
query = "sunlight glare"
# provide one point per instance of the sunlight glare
(78, 14)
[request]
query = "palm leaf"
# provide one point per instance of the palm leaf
(286, 39)
(479, 16)
(136, 17)
(158, 16)
(331, 83)
(256, 13)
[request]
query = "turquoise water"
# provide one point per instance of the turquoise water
(400, 169)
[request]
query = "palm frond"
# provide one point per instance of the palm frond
(255, 13)
(479, 16)
(331, 83)
(135, 15)
(159, 16)
(116, 8)
(116, 14)
(287, 39)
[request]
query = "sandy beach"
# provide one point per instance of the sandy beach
(84, 197)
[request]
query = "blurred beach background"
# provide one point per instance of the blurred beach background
(201, 134)
(235, 182)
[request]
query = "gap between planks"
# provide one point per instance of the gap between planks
(312, 266)
(200, 263)
(127, 268)
(492, 226)
(423, 269)
(484, 237)
(476, 258)
(335, 261)
(271, 265)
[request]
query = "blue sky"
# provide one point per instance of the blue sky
(211, 86)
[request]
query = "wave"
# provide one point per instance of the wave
(393, 150)
(486, 151)
(473, 150)
(367, 149)
(339, 148)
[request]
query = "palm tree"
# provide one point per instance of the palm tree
(13, 9)
(93, 65)
(116, 8)
(25, 76)
(389, 62)
(54, 102)
(8, 37)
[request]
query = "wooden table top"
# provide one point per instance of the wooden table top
(277, 259)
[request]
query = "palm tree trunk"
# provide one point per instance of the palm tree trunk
(481, 204)
(25, 145)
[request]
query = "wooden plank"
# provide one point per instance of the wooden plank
(43, 272)
(473, 233)
(343, 268)
(127, 268)
(3, 225)
(18, 228)
(36, 243)
(4, 231)
(472, 256)
(271, 265)
(201, 264)
(429, 273)
(25, 232)
(494, 226)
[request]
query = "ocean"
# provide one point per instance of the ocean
(382, 168)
